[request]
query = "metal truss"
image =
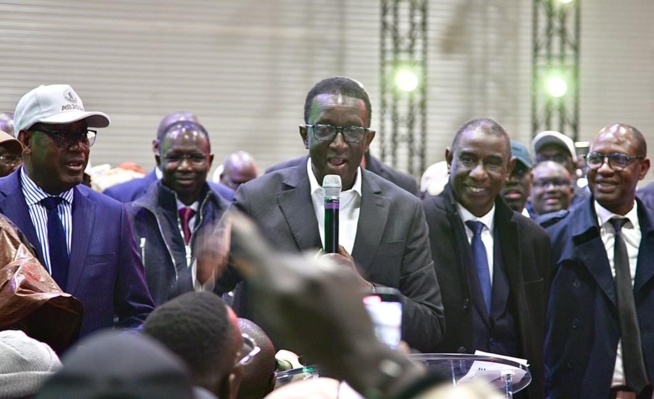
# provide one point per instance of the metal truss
(403, 125)
(555, 40)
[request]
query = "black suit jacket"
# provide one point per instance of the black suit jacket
(525, 250)
(390, 249)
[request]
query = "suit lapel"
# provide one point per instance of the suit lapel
(645, 264)
(83, 217)
(297, 207)
(13, 205)
(373, 216)
(507, 230)
(590, 249)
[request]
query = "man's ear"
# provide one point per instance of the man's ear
(509, 169)
(369, 136)
(210, 160)
(448, 158)
(24, 137)
(645, 163)
(155, 146)
(303, 134)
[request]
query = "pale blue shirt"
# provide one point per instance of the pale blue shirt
(39, 214)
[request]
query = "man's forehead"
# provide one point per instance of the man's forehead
(336, 100)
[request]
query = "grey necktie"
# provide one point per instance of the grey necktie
(632, 353)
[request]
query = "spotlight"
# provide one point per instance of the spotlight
(556, 86)
(406, 79)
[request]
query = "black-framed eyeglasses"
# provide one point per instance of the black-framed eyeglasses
(194, 158)
(247, 352)
(556, 183)
(65, 139)
(617, 160)
(351, 134)
(11, 160)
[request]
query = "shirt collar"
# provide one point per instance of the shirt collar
(604, 215)
(488, 219)
(34, 194)
(315, 187)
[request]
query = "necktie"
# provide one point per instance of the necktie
(186, 214)
(58, 249)
(481, 261)
(632, 354)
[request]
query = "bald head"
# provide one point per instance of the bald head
(617, 161)
(7, 122)
(238, 168)
(259, 374)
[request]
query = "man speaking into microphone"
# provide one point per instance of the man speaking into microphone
(382, 233)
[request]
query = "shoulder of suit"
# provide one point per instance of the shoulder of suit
(550, 219)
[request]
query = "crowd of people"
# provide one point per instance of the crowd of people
(206, 278)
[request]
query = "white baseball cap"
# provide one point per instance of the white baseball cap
(54, 104)
(553, 137)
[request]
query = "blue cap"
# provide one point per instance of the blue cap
(521, 153)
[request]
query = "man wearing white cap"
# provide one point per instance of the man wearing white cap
(83, 238)
(551, 145)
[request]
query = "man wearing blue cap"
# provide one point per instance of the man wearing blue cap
(517, 188)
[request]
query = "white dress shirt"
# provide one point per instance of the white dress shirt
(350, 207)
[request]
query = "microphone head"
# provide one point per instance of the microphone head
(331, 185)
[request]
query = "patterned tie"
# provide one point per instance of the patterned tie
(58, 249)
(632, 354)
(481, 261)
(186, 214)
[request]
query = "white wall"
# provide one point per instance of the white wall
(245, 66)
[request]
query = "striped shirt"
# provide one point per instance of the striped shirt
(33, 195)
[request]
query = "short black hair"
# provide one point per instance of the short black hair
(188, 125)
(338, 85)
(489, 126)
(196, 327)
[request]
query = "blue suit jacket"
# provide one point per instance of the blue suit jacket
(582, 329)
(106, 273)
(136, 188)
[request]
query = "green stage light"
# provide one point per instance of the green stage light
(556, 86)
(406, 79)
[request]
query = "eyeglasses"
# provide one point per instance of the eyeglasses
(195, 158)
(247, 352)
(556, 183)
(351, 134)
(66, 139)
(616, 161)
(11, 160)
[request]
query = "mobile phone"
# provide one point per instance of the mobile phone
(385, 309)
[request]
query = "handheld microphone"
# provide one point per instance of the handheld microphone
(331, 185)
